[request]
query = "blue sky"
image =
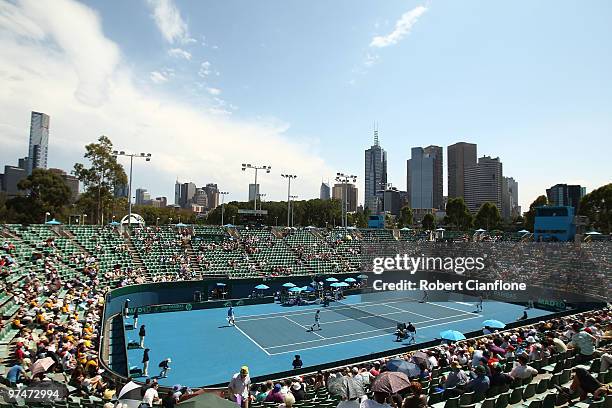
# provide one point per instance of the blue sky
(205, 86)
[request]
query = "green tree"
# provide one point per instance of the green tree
(530, 215)
(99, 179)
(46, 192)
(405, 217)
(488, 216)
(429, 222)
(457, 214)
(597, 206)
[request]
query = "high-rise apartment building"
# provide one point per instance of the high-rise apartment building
(483, 183)
(460, 156)
(566, 195)
(375, 175)
(510, 207)
(39, 142)
(212, 194)
(339, 191)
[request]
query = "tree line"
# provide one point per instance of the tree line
(44, 191)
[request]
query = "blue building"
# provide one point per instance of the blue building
(376, 221)
(554, 223)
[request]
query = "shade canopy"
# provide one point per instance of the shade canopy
(180, 224)
(593, 233)
(350, 280)
(53, 222)
(452, 335)
(221, 284)
(339, 285)
(494, 324)
(481, 230)
(288, 285)
(332, 279)
(295, 289)
(523, 231)
(262, 287)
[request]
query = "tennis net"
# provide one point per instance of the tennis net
(388, 324)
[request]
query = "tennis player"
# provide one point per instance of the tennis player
(411, 330)
(231, 317)
(317, 318)
(479, 304)
(425, 297)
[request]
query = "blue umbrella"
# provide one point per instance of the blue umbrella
(350, 280)
(221, 284)
(403, 366)
(495, 324)
(288, 285)
(363, 276)
(262, 287)
(331, 280)
(308, 288)
(180, 224)
(295, 289)
(452, 335)
(53, 222)
(335, 285)
(114, 223)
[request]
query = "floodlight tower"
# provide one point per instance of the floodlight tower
(147, 157)
(288, 177)
(255, 167)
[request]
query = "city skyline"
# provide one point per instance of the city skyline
(203, 98)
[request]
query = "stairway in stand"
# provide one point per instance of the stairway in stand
(136, 259)
(193, 259)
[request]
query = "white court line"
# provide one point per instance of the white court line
(367, 331)
(408, 311)
(249, 337)
(362, 338)
(465, 303)
(448, 307)
(304, 327)
(323, 310)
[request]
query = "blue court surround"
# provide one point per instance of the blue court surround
(205, 350)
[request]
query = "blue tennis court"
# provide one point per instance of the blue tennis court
(206, 350)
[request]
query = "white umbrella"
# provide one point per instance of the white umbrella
(130, 395)
(481, 230)
(593, 233)
(41, 365)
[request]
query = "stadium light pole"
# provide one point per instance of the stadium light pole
(293, 197)
(147, 157)
(46, 215)
(288, 177)
(222, 194)
(344, 179)
(255, 167)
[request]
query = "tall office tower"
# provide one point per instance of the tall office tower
(212, 193)
(510, 207)
(460, 156)
(39, 141)
(392, 201)
(188, 190)
(143, 197)
(375, 175)
(177, 193)
(324, 193)
(424, 174)
(350, 190)
(253, 191)
(483, 183)
(566, 195)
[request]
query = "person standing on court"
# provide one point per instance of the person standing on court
(145, 362)
(231, 318)
(317, 318)
(297, 362)
(126, 307)
(142, 333)
(239, 387)
(135, 316)
(411, 332)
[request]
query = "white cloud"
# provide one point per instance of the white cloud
(205, 69)
(179, 53)
(158, 77)
(214, 91)
(169, 21)
(371, 59)
(199, 143)
(402, 28)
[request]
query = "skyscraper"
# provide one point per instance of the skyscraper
(424, 173)
(142, 196)
(375, 174)
(212, 193)
(324, 193)
(188, 190)
(460, 156)
(483, 183)
(39, 141)
(351, 193)
(509, 198)
(566, 195)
